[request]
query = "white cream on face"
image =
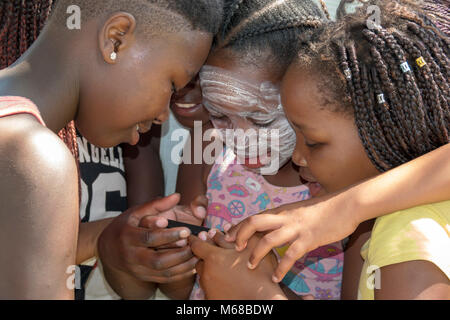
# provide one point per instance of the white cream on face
(237, 104)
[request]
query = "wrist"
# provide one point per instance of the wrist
(98, 236)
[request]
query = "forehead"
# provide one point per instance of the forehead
(301, 96)
(252, 67)
(189, 48)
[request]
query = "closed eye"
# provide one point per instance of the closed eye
(263, 124)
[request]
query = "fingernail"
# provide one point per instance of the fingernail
(212, 233)
(181, 243)
(227, 227)
(275, 279)
(203, 236)
(184, 233)
(250, 265)
(228, 238)
(201, 212)
(194, 271)
(161, 223)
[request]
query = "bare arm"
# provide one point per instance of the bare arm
(145, 182)
(418, 280)
(353, 262)
(143, 169)
(421, 181)
(190, 184)
(39, 215)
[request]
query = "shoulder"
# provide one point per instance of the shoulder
(33, 159)
(421, 218)
(419, 233)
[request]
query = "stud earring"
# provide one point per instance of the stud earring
(113, 56)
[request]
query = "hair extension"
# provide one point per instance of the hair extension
(397, 79)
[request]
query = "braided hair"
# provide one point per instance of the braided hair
(256, 25)
(21, 22)
(394, 79)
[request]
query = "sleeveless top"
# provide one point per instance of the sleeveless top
(10, 106)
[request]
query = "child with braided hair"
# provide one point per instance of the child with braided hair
(114, 96)
(364, 101)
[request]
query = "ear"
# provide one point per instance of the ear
(117, 34)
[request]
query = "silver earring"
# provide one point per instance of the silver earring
(113, 56)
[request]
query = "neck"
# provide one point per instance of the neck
(44, 76)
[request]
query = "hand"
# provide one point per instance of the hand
(193, 214)
(224, 274)
(304, 226)
(127, 247)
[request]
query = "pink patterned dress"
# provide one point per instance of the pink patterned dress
(235, 194)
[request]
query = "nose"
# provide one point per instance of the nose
(163, 117)
(298, 156)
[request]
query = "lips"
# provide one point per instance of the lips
(260, 162)
(306, 177)
(186, 109)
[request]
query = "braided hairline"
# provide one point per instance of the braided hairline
(422, 118)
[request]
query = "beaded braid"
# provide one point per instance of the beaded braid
(396, 78)
(21, 23)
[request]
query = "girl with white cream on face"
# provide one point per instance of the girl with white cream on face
(240, 90)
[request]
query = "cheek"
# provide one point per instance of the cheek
(341, 166)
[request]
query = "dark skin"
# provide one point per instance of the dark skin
(80, 82)
(328, 140)
(188, 184)
(145, 182)
(237, 281)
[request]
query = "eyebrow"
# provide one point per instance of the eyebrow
(300, 126)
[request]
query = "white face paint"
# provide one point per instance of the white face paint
(237, 104)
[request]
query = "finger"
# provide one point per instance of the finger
(171, 275)
(203, 236)
(199, 207)
(153, 223)
(174, 245)
(200, 248)
(153, 208)
(258, 223)
(162, 260)
(219, 239)
(270, 241)
(297, 250)
(142, 237)
(199, 267)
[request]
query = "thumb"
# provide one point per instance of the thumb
(153, 208)
(200, 248)
(199, 206)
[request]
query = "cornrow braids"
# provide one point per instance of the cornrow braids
(394, 79)
(257, 25)
(439, 10)
(21, 22)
